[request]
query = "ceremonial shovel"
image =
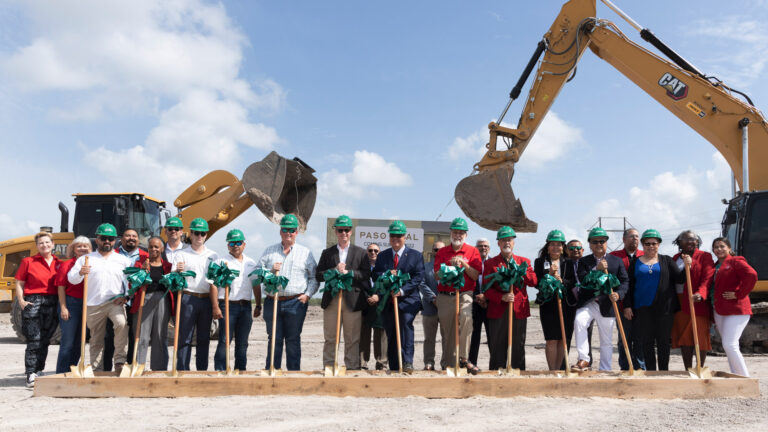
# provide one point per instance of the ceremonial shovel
(397, 333)
(229, 370)
(699, 372)
(631, 371)
(510, 370)
(336, 370)
(272, 371)
(131, 370)
(82, 370)
(456, 370)
(562, 335)
(176, 326)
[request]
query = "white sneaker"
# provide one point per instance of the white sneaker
(31, 379)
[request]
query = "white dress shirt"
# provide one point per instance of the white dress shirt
(242, 285)
(106, 278)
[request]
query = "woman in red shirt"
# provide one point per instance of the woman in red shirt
(70, 306)
(734, 279)
(36, 293)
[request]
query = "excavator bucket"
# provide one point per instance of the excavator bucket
(278, 186)
(486, 197)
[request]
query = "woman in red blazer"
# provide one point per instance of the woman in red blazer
(734, 279)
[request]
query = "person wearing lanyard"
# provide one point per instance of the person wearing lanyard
(652, 301)
(106, 295)
(552, 261)
(153, 328)
(70, 306)
(296, 263)
(196, 310)
(734, 280)
(37, 296)
(241, 292)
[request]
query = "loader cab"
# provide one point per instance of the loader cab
(744, 224)
(135, 210)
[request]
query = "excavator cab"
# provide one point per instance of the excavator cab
(124, 210)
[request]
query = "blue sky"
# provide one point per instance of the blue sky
(388, 101)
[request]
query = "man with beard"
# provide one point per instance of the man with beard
(106, 290)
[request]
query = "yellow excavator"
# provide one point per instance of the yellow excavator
(275, 185)
(724, 116)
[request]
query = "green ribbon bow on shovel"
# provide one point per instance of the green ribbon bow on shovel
(600, 282)
(271, 282)
(549, 287)
(335, 281)
(176, 281)
(137, 278)
(507, 277)
(452, 277)
(221, 275)
(387, 284)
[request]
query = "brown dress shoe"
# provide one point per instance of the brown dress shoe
(582, 365)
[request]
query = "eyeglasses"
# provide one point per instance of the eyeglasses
(597, 241)
(483, 246)
(396, 235)
(651, 244)
(435, 249)
(575, 248)
(235, 244)
(373, 251)
(199, 233)
(343, 230)
(172, 229)
(288, 230)
(107, 238)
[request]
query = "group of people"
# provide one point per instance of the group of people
(649, 289)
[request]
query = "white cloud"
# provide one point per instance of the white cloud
(11, 228)
(553, 140)
(368, 170)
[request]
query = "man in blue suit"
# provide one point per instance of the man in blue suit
(407, 260)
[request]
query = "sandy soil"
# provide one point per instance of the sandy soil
(22, 412)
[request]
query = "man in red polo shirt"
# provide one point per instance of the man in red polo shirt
(460, 255)
(631, 241)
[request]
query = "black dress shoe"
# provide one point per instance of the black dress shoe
(379, 366)
(408, 368)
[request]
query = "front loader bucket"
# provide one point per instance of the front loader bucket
(487, 198)
(278, 186)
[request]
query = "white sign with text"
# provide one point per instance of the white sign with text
(365, 236)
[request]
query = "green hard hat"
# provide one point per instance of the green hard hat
(343, 221)
(597, 232)
(505, 232)
(459, 224)
(556, 235)
(106, 229)
(199, 224)
(289, 221)
(397, 227)
(235, 235)
(651, 233)
(174, 222)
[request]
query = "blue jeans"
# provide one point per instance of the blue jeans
(69, 350)
(196, 313)
(290, 321)
(406, 334)
(240, 321)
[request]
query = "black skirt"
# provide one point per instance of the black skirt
(550, 320)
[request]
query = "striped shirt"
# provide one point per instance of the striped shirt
(298, 266)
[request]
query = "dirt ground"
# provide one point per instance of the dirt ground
(20, 411)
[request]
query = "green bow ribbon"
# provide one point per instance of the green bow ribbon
(176, 281)
(137, 278)
(452, 277)
(507, 277)
(600, 282)
(388, 284)
(549, 287)
(221, 275)
(272, 283)
(335, 281)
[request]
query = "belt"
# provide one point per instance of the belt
(451, 293)
(240, 302)
(284, 298)
(194, 294)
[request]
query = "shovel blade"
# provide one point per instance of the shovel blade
(474, 193)
(634, 372)
(454, 372)
(509, 372)
(278, 186)
(82, 371)
(272, 373)
(328, 371)
(127, 371)
(706, 373)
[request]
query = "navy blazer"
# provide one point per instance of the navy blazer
(615, 267)
(411, 262)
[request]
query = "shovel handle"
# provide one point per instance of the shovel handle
(338, 332)
(456, 327)
(138, 328)
(226, 323)
(274, 331)
(623, 337)
(693, 318)
(509, 334)
(562, 331)
(85, 316)
(176, 330)
(397, 334)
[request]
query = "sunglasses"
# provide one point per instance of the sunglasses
(373, 251)
(235, 244)
(396, 235)
(288, 230)
(173, 229)
(575, 248)
(107, 238)
(199, 233)
(343, 230)
(651, 244)
(597, 241)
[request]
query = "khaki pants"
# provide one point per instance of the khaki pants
(446, 313)
(97, 324)
(350, 323)
(429, 322)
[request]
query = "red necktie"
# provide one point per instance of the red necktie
(396, 260)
